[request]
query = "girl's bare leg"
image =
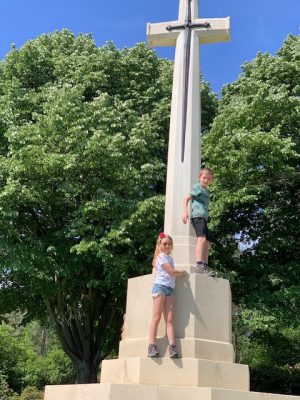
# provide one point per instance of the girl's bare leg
(157, 309)
(169, 311)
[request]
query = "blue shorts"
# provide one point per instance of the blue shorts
(161, 289)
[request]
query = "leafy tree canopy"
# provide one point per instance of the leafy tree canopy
(83, 146)
(254, 149)
(23, 364)
(83, 150)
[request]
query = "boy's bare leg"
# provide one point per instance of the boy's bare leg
(206, 252)
(202, 249)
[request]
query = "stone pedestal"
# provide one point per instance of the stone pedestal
(206, 370)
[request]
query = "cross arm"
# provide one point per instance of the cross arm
(158, 35)
(218, 30)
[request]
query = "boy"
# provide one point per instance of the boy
(200, 196)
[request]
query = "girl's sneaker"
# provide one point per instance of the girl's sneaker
(173, 351)
(152, 351)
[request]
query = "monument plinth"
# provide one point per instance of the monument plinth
(202, 324)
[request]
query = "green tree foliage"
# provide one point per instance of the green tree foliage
(31, 393)
(82, 171)
(83, 148)
(10, 358)
(271, 350)
(5, 392)
(254, 149)
(209, 106)
(21, 363)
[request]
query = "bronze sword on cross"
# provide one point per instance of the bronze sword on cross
(187, 27)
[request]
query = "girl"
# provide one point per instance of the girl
(163, 294)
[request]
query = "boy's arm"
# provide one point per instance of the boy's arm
(185, 212)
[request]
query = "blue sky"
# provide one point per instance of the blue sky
(256, 25)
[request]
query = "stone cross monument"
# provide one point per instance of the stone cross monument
(184, 139)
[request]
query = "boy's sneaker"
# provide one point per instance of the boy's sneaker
(173, 351)
(152, 351)
(202, 268)
(211, 272)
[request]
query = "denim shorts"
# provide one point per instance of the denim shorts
(162, 289)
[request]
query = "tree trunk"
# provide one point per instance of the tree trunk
(43, 342)
(85, 372)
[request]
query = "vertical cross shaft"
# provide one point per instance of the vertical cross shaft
(184, 154)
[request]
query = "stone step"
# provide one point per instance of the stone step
(177, 372)
(106, 391)
(187, 347)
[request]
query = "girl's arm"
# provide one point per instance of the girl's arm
(173, 272)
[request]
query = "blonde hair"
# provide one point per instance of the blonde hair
(208, 170)
(157, 250)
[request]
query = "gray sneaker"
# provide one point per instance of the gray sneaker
(152, 351)
(200, 269)
(173, 351)
(204, 269)
(211, 272)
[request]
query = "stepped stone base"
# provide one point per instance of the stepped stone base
(206, 370)
(179, 372)
(187, 347)
(108, 391)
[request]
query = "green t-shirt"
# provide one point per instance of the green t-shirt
(200, 201)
